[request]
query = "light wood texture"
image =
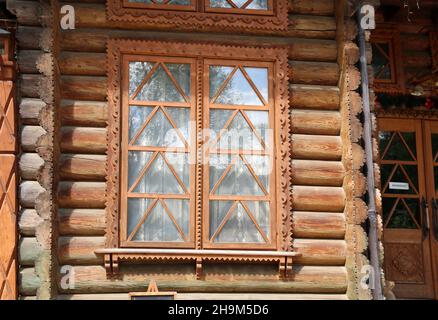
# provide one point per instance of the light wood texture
(81, 194)
(318, 173)
(314, 97)
(329, 225)
(316, 147)
(306, 198)
(316, 122)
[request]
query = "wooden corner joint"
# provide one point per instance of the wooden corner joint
(113, 258)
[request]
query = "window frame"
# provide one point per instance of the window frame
(200, 16)
(126, 103)
(391, 36)
(278, 56)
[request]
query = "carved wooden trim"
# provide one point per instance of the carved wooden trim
(390, 34)
(277, 55)
(201, 18)
(416, 113)
(113, 258)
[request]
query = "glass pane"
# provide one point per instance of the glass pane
(409, 138)
(159, 179)
(218, 210)
(158, 227)
(260, 211)
(258, 5)
(160, 88)
(380, 61)
(400, 177)
(401, 219)
(137, 117)
(239, 228)
(136, 162)
(136, 210)
(180, 211)
(160, 133)
(387, 205)
(137, 72)
(181, 73)
(260, 121)
(397, 150)
(238, 91)
(181, 118)
(239, 136)
(180, 163)
(414, 206)
(435, 173)
(384, 138)
(260, 78)
(220, 4)
(262, 167)
(238, 180)
(218, 119)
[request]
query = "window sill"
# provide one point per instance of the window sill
(113, 256)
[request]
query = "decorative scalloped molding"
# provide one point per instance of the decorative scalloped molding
(200, 20)
(279, 55)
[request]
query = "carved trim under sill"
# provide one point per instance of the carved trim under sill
(113, 257)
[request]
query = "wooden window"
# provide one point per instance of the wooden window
(387, 62)
(199, 151)
(214, 15)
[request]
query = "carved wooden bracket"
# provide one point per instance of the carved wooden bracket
(113, 258)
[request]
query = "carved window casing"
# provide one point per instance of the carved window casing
(177, 178)
(251, 15)
(387, 61)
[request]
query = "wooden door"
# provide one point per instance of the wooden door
(404, 203)
(8, 198)
(431, 155)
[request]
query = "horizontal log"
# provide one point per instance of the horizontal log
(315, 147)
(28, 60)
(415, 59)
(84, 88)
(82, 167)
(30, 37)
(355, 184)
(84, 113)
(30, 136)
(313, 50)
(315, 122)
(417, 42)
(315, 73)
(328, 225)
(314, 97)
(80, 250)
(28, 193)
(83, 140)
(81, 194)
(320, 252)
(28, 13)
(307, 198)
(315, 7)
(30, 85)
(311, 23)
(82, 63)
(317, 173)
(82, 222)
(30, 109)
(28, 251)
(208, 296)
(310, 279)
(30, 165)
(28, 282)
(28, 220)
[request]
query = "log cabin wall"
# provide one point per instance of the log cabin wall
(326, 165)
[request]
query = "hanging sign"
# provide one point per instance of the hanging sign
(399, 185)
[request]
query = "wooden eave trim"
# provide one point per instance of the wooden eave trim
(206, 20)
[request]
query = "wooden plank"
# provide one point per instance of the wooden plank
(313, 73)
(318, 173)
(83, 140)
(314, 97)
(81, 194)
(316, 147)
(315, 122)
